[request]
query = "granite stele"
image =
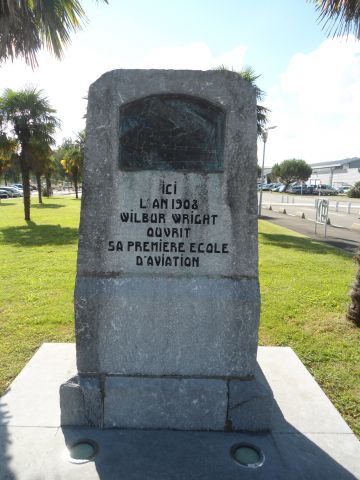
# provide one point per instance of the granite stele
(167, 295)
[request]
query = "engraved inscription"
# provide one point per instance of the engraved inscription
(166, 231)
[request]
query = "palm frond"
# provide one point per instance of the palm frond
(26, 26)
(339, 17)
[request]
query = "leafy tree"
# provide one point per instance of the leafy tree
(261, 112)
(26, 26)
(7, 152)
(344, 15)
(73, 158)
(291, 170)
(275, 171)
(28, 113)
(354, 192)
(258, 171)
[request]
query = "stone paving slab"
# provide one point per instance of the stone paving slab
(310, 440)
(301, 403)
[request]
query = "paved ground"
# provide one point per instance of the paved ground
(338, 237)
(309, 439)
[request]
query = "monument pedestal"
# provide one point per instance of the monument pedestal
(308, 440)
(167, 353)
(174, 403)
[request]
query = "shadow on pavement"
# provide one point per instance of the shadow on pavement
(177, 455)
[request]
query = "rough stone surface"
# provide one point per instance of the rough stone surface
(72, 403)
(167, 403)
(81, 402)
(250, 405)
(167, 274)
(167, 326)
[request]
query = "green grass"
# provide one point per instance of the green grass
(37, 279)
(304, 286)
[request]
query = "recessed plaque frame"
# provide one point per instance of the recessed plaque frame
(172, 132)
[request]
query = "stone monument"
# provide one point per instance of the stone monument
(167, 295)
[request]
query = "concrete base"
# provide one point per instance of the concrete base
(309, 439)
(169, 403)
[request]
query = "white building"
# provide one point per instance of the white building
(336, 173)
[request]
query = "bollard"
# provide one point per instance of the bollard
(337, 207)
(293, 200)
(349, 208)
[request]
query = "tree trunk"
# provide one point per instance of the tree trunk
(38, 182)
(76, 185)
(354, 308)
(25, 174)
(48, 185)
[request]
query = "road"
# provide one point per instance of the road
(341, 233)
(343, 211)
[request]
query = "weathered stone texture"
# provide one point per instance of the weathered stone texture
(167, 296)
(167, 326)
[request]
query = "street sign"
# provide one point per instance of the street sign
(322, 214)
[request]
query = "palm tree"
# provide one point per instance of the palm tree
(249, 74)
(344, 15)
(26, 26)
(73, 158)
(30, 116)
(39, 153)
(49, 171)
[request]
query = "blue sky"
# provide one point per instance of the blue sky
(312, 82)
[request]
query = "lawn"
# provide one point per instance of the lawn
(304, 286)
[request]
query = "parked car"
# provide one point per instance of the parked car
(4, 194)
(301, 190)
(20, 186)
(12, 191)
(265, 187)
(325, 190)
(275, 187)
(343, 189)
